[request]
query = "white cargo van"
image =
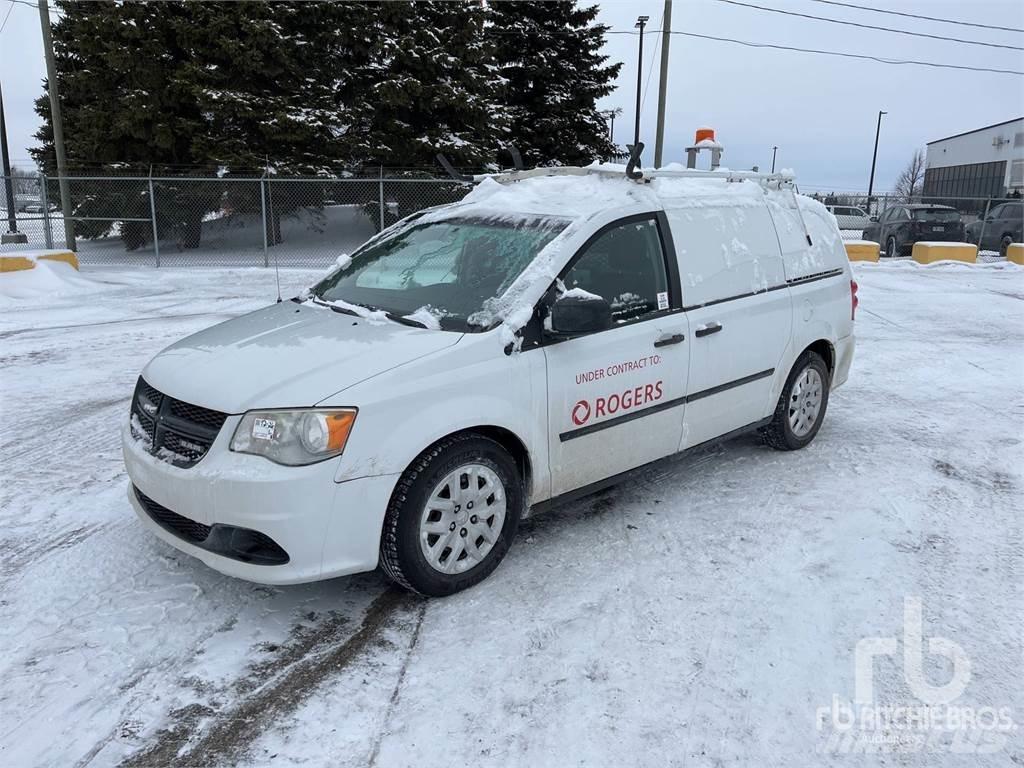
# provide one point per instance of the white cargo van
(479, 361)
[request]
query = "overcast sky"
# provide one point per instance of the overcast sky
(819, 110)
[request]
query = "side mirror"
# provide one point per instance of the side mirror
(873, 218)
(573, 315)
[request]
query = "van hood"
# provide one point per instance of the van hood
(287, 355)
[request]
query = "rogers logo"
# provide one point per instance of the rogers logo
(618, 401)
(581, 413)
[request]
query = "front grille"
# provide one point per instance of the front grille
(173, 430)
(190, 530)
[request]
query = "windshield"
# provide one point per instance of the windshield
(440, 273)
(935, 214)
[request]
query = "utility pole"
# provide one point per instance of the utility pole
(641, 22)
(874, 158)
(774, 150)
(666, 36)
(12, 235)
(58, 126)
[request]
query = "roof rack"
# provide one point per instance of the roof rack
(633, 171)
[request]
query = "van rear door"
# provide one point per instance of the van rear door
(738, 306)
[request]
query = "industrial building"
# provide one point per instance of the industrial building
(984, 163)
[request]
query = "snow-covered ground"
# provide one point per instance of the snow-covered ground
(697, 615)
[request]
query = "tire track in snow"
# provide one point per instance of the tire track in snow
(294, 676)
(397, 690)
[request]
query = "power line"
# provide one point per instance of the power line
(871, 26)
(919, 16)
(879, 59)
(9, 9)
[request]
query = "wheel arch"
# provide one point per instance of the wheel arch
(507, 439)
(827, 352)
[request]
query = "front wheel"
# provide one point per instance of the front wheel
(452, 516)
(890, 247)
(1004, 245)
(802, 405)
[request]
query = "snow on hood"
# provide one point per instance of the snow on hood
(285, 355)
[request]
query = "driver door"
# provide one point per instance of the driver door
(616, 396)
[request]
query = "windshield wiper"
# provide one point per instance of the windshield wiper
(333, 307)
(404, 320)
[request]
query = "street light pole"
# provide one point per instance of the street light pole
(774, 150)
(666, 38)
(12, 235)
(58, 125)
(874, 158)
(641, 22)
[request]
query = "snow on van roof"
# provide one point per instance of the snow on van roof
(582, 196)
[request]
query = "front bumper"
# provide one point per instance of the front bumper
(326, 528)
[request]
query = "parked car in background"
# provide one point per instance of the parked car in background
(850, 217)
(900, 226)
(1003, 225)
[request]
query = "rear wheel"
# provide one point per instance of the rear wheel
(802, 405)
(452, 516)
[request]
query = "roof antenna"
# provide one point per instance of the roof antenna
(517, 159)
(634, 160)
(446, 164)
(269, 201)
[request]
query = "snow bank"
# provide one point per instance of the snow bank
(52, 278)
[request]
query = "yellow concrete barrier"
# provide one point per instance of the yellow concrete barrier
(861, 250)
(1015, 253)
(927, 253)
(16, 263)
(68, 257)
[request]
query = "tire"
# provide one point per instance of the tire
(781, 434)
(890, 247)
(1004, 245)
(440, 470)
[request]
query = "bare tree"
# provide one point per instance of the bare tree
(910, 182)
(25, 182)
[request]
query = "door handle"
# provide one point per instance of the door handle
(707, 329)
(666, 341)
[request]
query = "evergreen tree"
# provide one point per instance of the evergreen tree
(549, 56)
(430, 84)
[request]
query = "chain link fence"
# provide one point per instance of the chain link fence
(308, 222)
(214, 221)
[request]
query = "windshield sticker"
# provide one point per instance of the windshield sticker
(615, 369)
(662, 300)
(263, 429)
(616, 403)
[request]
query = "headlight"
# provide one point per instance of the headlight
(294, 437)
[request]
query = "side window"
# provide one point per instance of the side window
(997, 212)
(625, 265)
